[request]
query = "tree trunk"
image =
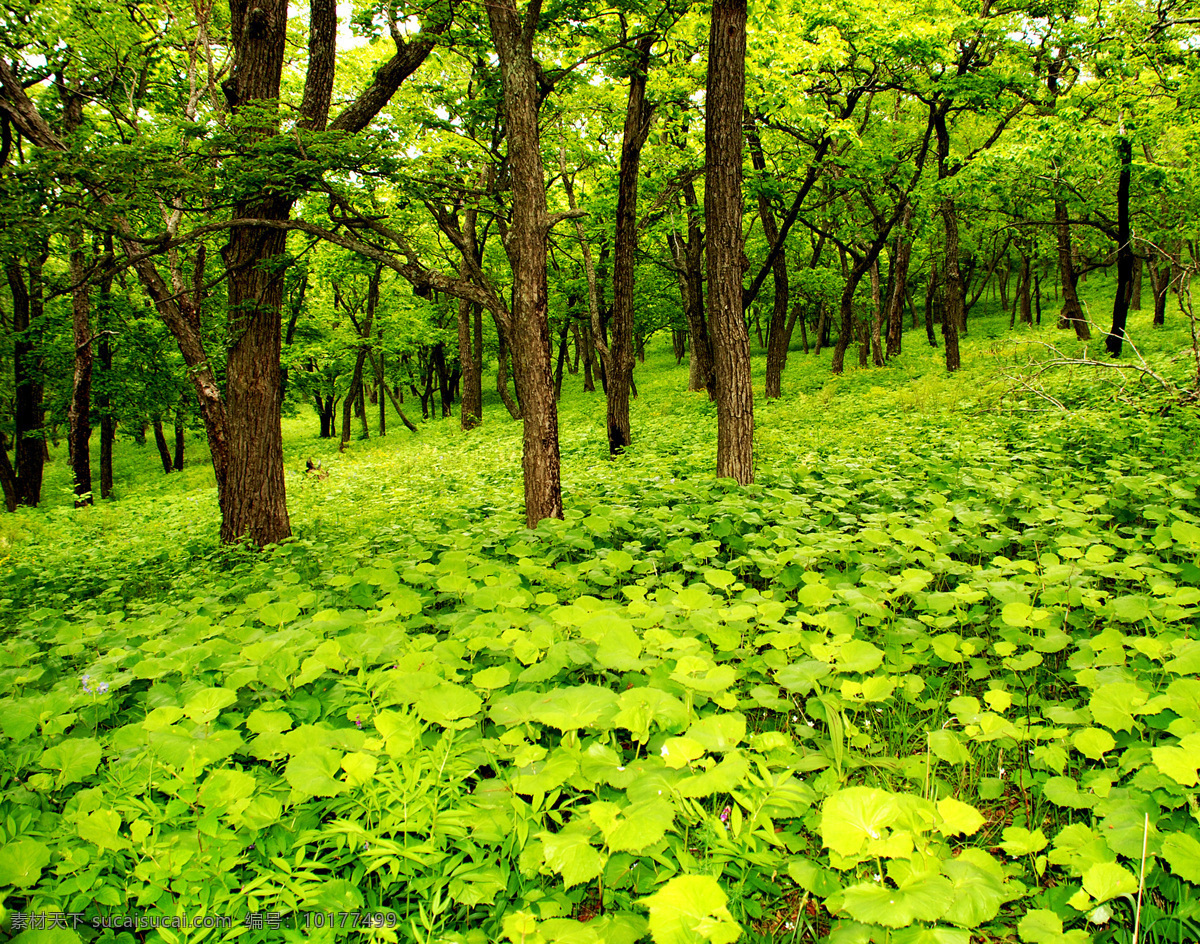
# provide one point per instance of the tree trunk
(1160, 283)
(876, 316)
(1116, 335)
(620, 347)
(1024, 285)
(469, 355)
(930, 295)
(725, 101)
(104, 404)
(526, 248)
(180, 424)
(514, 410)
(325, 412)
(8, 478)
(589, 381)
(1072, 311)
(160, 440)
(79, 413)
(29, 451)
(381, 383)
(895, 308)
(562, 357)
(952, 310)
(777, 334)
(254, 500)
(1135, 300)
(846, 315)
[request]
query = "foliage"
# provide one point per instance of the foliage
(933, 677)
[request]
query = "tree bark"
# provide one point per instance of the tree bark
(1116, 335)
(160, 440)
(725, 101)
(79, 424)
(1072, 311)
(514, 409)
(104, 404)
(895, 309)
(513, 37)
(29, 452)
(620, 360)
(469, 355)
(876, 316)
(777, 334)
(180, 426)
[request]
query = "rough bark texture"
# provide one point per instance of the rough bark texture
(725, 98)
(513, 36)
(620, 365)
(180, 438)
(1072, 311)
(79, 427)
(160, 441)
(104, 405)
(1116, 335)
(469, 354)
(876, 316)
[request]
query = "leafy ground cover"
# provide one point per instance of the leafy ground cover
(931, 680)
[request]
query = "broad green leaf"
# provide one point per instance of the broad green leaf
(945, 745)
(360, 768)
(74, 759)
(858, 655)
(802, 677)
(581, 706)
(855, 815)
(958, 817)
(445, 702)
(632, 828)
(1179, 763)
(1041, 926)
(719, 733)
(1093, 742)
(204, 706)
(21, 862)
(919, 934)
(690, 909)
(1182, 852)
(102, 827)
(1106, 880)
(1019, 841)
(1186, 533)
(223, 788)
(314, 772)
(978, 892)
(495, 677)
(571, 855)
(923, 899)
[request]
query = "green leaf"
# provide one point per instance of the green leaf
(855, 815)
(1041, 926)
(1093, 742)
(1179, 763)
(858, 655)
(74, 759)
(1019, 841)
(978, 889)
(360, 768)
(945, 745)
(1106, 880)
(635, 827)
(445, 702)
(495, 677)
(206, 704)
(1182, 852)
(690, 909)
(102, 827)
(569, 709)
(314, 772)
(1186, 533)
(719, 733)
(958, 817)
(21, 862)
(923, 899)
(571, 855)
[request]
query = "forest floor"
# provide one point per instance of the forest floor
(931, 679)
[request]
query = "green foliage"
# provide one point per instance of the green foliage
(933, 676)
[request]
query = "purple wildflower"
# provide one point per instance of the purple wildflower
(358, 721)
(85, 679)
(102, 687)
(725, 815)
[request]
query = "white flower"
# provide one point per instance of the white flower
(1000, 772)
(621, 769)
(665, 752)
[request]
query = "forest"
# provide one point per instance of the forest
(596, 472)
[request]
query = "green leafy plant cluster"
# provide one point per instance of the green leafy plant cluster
(929, 683)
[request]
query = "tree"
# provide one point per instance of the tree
(724, 104)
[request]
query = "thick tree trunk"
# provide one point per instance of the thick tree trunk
(725, 101)
(1135, 299)
(254, 500)
(589, 381)
(952, 310)
(1072, 311)
(1160, 283)
(526, 248)
(325, 412)
(1116, 335)
(8, 478)
(846, 315)
(562, 358)
(620, 348)
(930, 296)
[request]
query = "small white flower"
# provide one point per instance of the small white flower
(809, 723)
(1000, 772)
(866, 724)
(621, 769)
(877, 877)
(664, 751)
